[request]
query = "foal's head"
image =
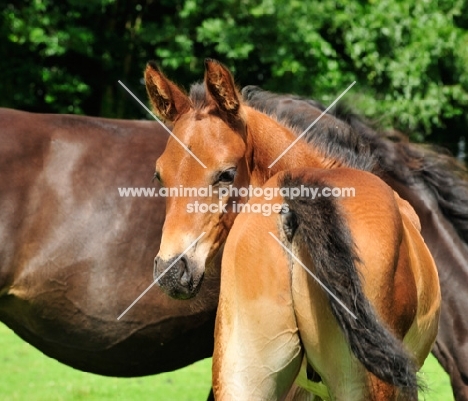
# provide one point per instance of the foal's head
(209, 125)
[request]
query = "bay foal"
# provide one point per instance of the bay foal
(236, 146)
(367, 251)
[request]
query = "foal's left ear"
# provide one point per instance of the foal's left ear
(167, 99)
(220, 85)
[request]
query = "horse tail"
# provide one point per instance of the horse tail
(445, 177)
(324, 231)
(409, 163)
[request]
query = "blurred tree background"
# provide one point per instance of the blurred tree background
(409, 57)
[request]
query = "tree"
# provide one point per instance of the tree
(408, 57)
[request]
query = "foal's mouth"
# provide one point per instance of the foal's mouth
(177, 278)
(183, 292)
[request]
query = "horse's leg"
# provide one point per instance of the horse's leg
(323, 339)
(450, 255)
(258, 351)
(297, 393)
(445, 357)
(211, 395)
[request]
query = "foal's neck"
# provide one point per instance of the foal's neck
(269, 140)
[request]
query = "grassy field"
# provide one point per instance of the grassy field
(27, 375)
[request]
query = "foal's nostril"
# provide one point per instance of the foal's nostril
(173, 274)
(184, 274)
(155, 268)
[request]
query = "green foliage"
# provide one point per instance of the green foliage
(408, 57)
(405, 54)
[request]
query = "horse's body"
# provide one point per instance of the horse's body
(76, 334)
(74, 254)
(433, 183)
(237, 144)
(271, 311)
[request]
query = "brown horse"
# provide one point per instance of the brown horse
(271, 312)
(75, 254)
(429, 179)
(65, 327)
(433, 182)
(236, 145)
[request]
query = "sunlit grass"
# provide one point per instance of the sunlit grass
(28, 375)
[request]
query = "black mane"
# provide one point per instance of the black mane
(346, 136)
(198, 96)
(331, 136)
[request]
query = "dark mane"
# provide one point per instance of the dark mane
(198, 96)
(410, 163)
(331, 136)
(444, 176)
(354, 141)
(345, 136)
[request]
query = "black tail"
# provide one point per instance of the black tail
(443, 175)
(328, 239)
(447, 180)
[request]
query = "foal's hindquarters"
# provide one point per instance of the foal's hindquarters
(272, 313)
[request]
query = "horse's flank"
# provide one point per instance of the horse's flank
(75, 254)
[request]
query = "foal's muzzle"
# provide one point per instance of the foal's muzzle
(177, 277)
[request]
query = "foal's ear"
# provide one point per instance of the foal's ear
(167, 99)
(220, 85)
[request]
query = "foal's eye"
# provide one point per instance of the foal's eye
(227, 176)
(156, 176)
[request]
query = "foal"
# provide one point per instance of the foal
(236, 147)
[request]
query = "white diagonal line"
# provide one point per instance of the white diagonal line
(162, 274)
(314, 276)
(167, 129)
(311, 125)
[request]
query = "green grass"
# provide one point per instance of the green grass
(28, 375)
(436, 381)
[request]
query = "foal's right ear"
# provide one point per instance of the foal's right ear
(167, 99)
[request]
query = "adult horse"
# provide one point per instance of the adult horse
(74, 253)
(271, 312)
(236, 145)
